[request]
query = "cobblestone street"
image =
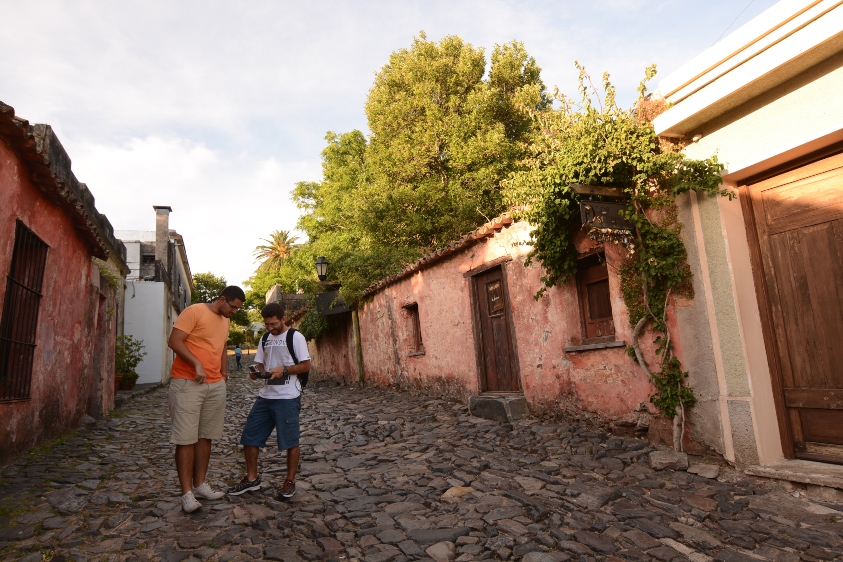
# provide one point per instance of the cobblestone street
(388, 476)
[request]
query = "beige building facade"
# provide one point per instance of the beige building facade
(759, 336)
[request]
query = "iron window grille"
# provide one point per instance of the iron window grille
(20, 314)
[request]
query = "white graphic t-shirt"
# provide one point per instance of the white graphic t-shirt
(276, 355)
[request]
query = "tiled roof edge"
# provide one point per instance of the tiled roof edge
(486, 231)
(48, 164)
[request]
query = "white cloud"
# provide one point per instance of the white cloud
(222, 205)
(217, 108)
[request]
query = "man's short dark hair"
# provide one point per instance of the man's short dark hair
(275, 309)
(232, 293)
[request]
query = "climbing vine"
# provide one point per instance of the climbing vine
(595, 142)
(113, 280)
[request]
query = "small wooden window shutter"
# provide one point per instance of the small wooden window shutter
(595, 301)
(415, 343)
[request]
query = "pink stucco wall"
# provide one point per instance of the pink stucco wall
(605, 382)
(72, 371)
(335, 357)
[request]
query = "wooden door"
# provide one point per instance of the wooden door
(497, 364)
(798, 217)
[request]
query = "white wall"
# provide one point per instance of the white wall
(146, 320)
(141, 235)
(133, 258)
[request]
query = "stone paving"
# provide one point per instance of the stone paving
(387, 476)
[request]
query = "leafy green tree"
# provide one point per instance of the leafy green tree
(278, 248)
(332, 219)
(206, 287)
(236, 336)
(443, 138)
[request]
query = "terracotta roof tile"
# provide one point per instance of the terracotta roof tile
(486, 231)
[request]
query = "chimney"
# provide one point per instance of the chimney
(162, 234)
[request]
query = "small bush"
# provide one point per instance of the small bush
(128, 353)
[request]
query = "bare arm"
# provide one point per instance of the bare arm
(302, 367)
(176, 343)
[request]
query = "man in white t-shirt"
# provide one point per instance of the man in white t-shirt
(278, 404)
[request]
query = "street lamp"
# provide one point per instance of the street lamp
(322, 268)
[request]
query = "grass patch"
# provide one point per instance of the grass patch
(47, 447)
(13, 511)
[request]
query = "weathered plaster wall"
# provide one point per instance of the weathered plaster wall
(697, 351)
(448, 365)
(107, 327)
(64, 366)
(333, 356)
(605, 382)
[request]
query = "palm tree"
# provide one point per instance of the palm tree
(278, 247)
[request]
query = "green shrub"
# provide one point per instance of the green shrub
(128, 353)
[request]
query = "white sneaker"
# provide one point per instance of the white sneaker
(189, 503)
(204, 491)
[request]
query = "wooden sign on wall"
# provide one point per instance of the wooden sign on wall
(601, 214)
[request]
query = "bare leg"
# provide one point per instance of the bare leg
(184, 466)
(201, 459)
(292, 463)
(251, 453)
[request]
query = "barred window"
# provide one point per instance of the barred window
(20, 314)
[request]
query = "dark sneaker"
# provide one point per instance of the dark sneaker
(287, 490)
(245, 486)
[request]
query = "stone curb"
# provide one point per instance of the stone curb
(123, 397)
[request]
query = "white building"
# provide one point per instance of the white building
(158, 288)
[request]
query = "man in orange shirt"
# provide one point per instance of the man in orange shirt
(197, 390)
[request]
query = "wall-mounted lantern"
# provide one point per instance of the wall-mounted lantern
(322, 268)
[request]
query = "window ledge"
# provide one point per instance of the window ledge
(595, 346)
(415, 354)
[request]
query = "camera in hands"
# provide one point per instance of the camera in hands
(260, 374)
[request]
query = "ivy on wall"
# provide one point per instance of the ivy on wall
(596, 142)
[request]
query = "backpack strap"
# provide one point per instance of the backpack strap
(264, 337)
(301, 376)
(290, 333)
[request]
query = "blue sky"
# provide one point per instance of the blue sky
(218, 108)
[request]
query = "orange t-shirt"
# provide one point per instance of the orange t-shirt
(207, 334)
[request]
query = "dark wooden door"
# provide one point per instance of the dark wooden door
(498, 365)
(799, 220)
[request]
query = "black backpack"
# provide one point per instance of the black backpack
(301, 376)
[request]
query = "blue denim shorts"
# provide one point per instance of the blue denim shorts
(282, 415)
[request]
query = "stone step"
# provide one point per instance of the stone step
(499, 407)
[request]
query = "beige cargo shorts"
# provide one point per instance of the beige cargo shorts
(196, 410)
